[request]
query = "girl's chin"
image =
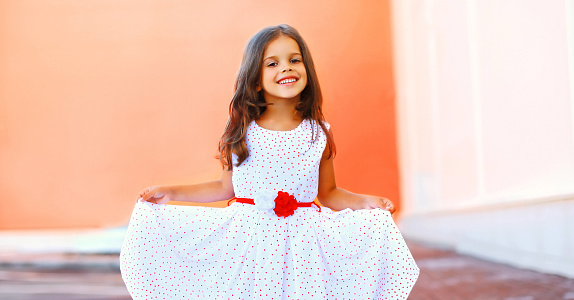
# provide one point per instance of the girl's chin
(282, 97)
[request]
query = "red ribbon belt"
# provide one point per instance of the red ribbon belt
(285, 204)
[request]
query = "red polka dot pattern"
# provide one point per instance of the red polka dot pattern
(241, 252)
(285, 161)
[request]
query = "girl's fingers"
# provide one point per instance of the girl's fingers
(147, 194)
(389, 205)
(154, 194)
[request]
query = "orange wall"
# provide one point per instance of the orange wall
(99, 99)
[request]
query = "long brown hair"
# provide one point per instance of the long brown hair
(248, 104)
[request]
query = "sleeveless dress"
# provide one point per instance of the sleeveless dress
(246, 251)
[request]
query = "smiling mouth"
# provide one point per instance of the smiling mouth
(287, 80)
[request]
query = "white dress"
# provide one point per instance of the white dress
(247, 252)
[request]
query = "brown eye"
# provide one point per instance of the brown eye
(272, 64)
(295, 60)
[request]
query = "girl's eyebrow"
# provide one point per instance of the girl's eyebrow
(275, 57)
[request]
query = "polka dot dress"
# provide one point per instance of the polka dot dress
(243, 252)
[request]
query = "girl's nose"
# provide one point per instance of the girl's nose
(286, 69)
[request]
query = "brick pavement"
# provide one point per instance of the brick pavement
(61, 277)
(450, 276)
(444, 275)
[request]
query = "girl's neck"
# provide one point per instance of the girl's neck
(280, 115)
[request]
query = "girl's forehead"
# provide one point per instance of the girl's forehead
(283, 45)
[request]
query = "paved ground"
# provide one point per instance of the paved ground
(444, 275)
(61, 277)
(447, 275)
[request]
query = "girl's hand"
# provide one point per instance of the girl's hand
(156, 194)
(379, 202)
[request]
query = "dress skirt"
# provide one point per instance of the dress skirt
(241, 252)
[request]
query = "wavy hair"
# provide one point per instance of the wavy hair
(248, 104)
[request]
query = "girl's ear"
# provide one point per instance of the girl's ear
(258, 88)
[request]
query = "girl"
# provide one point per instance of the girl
(274, 241)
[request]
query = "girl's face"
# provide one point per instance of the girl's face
(284, 75)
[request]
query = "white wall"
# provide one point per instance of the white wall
(486, 127)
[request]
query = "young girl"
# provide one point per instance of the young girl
(273, 241)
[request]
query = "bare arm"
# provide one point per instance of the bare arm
(336, 198)
(212, 191)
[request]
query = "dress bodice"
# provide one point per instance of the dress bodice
(285, 161)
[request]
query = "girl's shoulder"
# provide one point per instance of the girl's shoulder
(315, 124)
(325, 123)
(318, 129)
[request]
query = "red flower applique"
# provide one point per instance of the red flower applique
(285, 204)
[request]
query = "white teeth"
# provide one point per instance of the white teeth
(289, 80)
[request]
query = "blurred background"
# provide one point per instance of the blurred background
(101, 99)
(486, 128)
(461, 112)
